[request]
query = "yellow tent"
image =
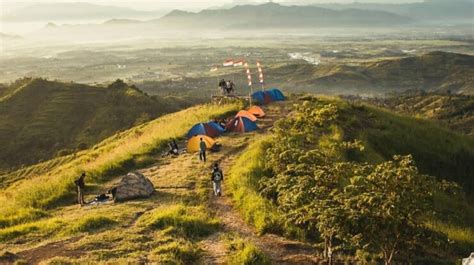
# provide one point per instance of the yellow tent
(246, 114)
(256, 111)
(193, 142)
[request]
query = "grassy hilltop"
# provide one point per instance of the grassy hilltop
(182, 224)
(41, 119)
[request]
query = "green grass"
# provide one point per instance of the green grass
(177, 252)
(245, 252)
(437, 151)
(243, 182)
(186, 221)
(44, 119)
(108, 159)
(91, 224)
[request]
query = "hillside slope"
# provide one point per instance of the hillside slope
(277, 182)
(435, 71)
(455, 111)
(40, 118)
(182, 223)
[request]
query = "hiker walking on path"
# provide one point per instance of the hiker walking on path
(80, 184)
(217, 177)
(202, 150)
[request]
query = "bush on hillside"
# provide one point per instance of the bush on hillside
(377, 207)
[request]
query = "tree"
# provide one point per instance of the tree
(377, 208)
(387, 205)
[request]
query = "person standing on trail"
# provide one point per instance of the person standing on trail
(81, 185)
(217, 177)
(202, 150)
(222, 85)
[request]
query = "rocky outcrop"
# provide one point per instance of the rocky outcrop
(133, 185)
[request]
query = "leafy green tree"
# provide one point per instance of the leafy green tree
(386, 206)
(376, 208)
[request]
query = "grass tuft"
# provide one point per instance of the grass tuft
(187, 221)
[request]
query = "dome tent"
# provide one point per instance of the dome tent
(241, 124)
(216, 126)
(262, 97)
(193, 143)
(246, 114)
(133, 185)
(257, 111)
(205, 129)
(276, 94)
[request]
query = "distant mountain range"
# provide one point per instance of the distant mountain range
(430, 11)
(76, 11)
(272, 15)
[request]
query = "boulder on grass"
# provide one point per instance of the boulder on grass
(133, 185)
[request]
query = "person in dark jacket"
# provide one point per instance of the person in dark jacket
(202, 150)
(217, 177)
(223, 86)
(81, 185)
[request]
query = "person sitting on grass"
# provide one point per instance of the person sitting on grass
(217, 177)
(81, 185)
(173, 148)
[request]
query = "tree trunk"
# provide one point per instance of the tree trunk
(325, 254)
(330, 251)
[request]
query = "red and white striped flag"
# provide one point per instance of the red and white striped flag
(260, 72)
(228, 63)
(239, 63)
(249, 75)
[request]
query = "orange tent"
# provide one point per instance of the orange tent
(257, 111)
(193, 142)
(246, 114)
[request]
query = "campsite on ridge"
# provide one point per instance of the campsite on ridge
(237, 132)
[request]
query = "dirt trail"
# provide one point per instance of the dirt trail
(279, 249)
(51, 250)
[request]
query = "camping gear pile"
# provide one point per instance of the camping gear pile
(244, 121)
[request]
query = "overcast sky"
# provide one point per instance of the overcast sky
(8, 5)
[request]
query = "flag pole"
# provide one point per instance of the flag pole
(260, 75)
(249, 77)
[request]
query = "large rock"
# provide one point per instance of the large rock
(133, 185)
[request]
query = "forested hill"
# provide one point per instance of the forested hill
(40, 119)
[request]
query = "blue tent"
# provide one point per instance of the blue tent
(258, 97)
(205, 129)
(216, 126)
(241, 124)
(262, 97)
(276, 94)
